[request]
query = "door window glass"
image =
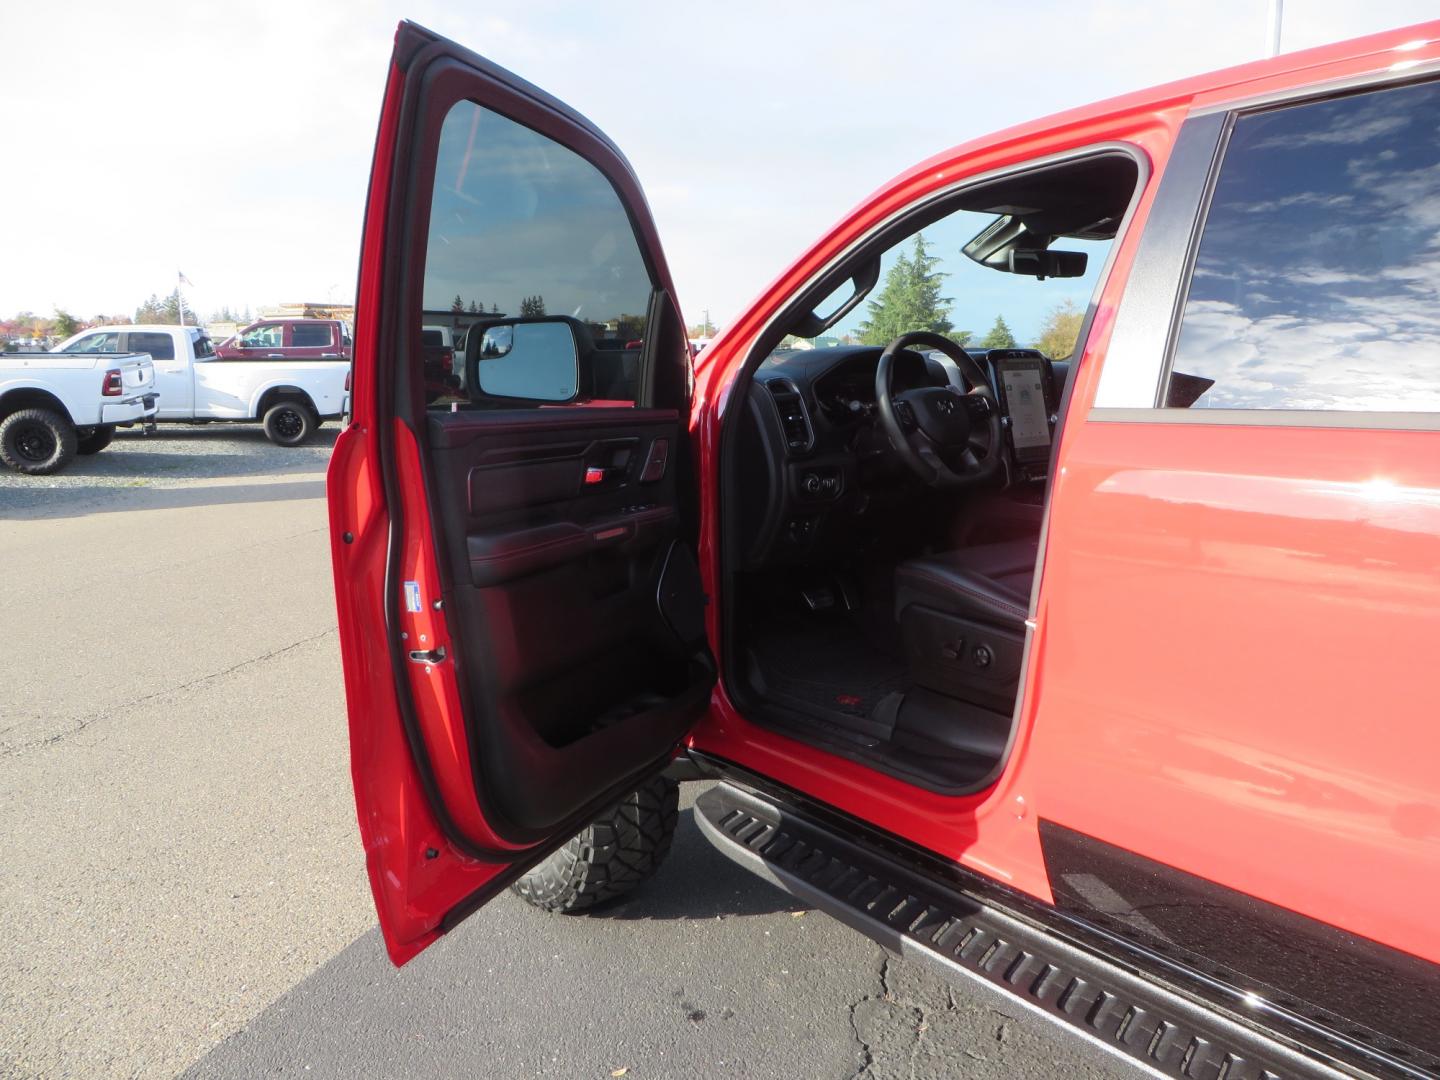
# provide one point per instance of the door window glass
(310, 335)
(522, 228)
(1317, 280)
(268, 336)
(159, 346)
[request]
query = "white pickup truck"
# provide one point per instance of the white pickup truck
(54, 407)
(290, 397)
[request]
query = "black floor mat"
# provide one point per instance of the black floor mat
(827, 665)
(827, 682)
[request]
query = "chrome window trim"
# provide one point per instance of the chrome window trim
(1399, 73)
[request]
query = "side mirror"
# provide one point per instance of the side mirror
(525, 359)
(1046, 264)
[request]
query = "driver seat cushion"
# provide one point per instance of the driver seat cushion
(989, 583)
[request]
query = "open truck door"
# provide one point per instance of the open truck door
(520, 613)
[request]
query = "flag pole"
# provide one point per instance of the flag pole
(179, 295)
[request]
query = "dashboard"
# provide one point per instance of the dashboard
(814, 459)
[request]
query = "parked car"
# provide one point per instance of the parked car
(289, 339)
(1102, 684)
(291, 397)
(54, 407)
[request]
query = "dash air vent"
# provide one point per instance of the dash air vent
(799, 435)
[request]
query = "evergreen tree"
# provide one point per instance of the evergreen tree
(910, 299)
(532, 307)
(999, 336)
(171, 308)
(457, 305)
(151, 311)
(474, 308)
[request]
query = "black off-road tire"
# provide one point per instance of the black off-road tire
(37, 441)
(289, 422)
(619, 850)
(95, 440)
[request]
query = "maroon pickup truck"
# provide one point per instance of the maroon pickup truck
(289, 339)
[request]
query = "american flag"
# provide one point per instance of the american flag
(183, 279)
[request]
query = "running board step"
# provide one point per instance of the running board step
(919, 918)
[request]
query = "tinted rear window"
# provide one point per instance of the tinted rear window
(309, 335)
(159, 346)
(1317, 282)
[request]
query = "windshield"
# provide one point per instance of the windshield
(927, 282)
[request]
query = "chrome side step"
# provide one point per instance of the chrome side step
(1141, 1020)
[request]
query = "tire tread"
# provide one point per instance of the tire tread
(612, 855)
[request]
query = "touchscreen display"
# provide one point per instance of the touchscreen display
(1025, 398)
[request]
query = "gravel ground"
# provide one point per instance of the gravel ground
(177, 455)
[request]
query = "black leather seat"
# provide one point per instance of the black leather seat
(962, 620)
(989, 582)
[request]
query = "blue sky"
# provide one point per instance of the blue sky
(234, 143)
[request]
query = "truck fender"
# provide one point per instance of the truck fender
(269, 393)
(16, 394)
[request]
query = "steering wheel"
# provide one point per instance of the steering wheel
(936, 429)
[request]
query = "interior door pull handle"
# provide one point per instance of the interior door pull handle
(655, 461)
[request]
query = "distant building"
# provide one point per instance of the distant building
(308, 310)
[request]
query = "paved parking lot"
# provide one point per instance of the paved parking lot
(183, 885)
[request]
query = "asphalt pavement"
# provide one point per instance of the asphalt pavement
(183, 886)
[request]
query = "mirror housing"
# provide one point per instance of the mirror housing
(526, 359)
(1042, 264)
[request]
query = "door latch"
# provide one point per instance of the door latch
(428, 656)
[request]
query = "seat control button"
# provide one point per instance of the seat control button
(982, 656)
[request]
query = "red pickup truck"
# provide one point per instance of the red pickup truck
(1100, 678)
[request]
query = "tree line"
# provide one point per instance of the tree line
(911, 300)
(168, 309)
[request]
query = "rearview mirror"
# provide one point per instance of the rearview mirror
(526, 359)
(1046, 264)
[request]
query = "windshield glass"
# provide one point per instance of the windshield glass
(928, 283)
